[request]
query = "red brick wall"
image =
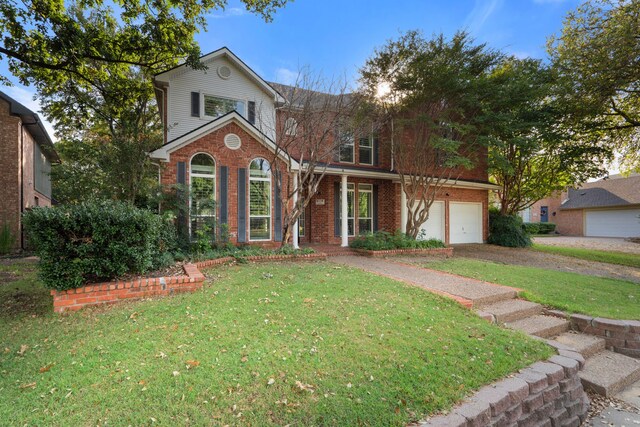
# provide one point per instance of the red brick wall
(568, 222)
(10, 168)
(213, 144)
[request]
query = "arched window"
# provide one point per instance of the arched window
(202, 193)
(290, 127)
(259, 200)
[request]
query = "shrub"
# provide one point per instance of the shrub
(384, 241)
(531, 227)
(506, 230)
(7, 239)
(546, 227)
(241, 252)
(98, 240)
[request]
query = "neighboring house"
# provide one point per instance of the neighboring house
(609, 207)
(26, 154)
(219, 133)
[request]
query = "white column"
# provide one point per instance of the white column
(403, 210)
(294, 235)
(344, 230)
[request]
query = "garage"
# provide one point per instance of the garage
(433, 228)
(465, 221)
(612, 223)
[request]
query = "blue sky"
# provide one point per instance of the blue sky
(336, 37)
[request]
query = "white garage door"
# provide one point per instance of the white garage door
(465, 222)
(434, 227)
(613, 223)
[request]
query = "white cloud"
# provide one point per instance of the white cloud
(228, 13)
(286, 76)
(481, 12)
(26, 97)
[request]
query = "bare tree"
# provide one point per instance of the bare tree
(306, 129)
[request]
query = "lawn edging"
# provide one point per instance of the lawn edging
(621, 336)
(545, 393)
(143, 287)
(447, 252)
(112, 292)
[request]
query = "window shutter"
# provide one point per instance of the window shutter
(242, 205)
(195, 104)
(251, 116)
(278, 209)
(376, 143)
(224, 204)
(336, 209)
(374, 207)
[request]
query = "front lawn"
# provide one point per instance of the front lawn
(300, 344)
(575, 293)
(619, 258)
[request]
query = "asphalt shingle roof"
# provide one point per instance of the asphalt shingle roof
(608, 192)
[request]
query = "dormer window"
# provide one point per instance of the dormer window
(215, 106)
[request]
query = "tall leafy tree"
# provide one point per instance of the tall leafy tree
(529, 154)
(597, 55)
(429, 94)
(91, 62)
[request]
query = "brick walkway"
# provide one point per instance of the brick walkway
(469, 292)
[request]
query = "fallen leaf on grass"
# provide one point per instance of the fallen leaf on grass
(192, 363)
(175, 373)
(305, 387)
(244, 359)
(271, 381)
(23, 349)
(30, 385)
(46, 368)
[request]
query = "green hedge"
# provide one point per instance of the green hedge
(97, 241)
(384, 241)
(539, 227)
(505, 230)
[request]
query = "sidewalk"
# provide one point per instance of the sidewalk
(468, 292)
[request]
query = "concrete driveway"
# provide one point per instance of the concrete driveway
(601, 243)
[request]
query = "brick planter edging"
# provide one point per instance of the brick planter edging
(544, 394)
(621, 336)
(111, 292)
(448, 252)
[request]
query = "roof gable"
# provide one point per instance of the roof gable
(167, 75)
(163, 153)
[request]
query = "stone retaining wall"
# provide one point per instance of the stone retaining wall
(111, 292)
(621, 336)
(544, 394)
(447, 252)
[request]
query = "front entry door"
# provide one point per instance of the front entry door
(544, 214)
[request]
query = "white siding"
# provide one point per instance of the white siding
(613, 223)
(239, 86)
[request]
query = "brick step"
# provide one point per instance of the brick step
(586, 345)
(608, 373)
(511, 310)
(539, 325)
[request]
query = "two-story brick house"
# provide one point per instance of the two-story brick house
(26, 154)
(220, 133)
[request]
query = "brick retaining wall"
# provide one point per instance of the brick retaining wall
(544, 394)
(621, 336)
(111, 292)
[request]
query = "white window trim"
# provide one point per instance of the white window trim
(366, 188)
(290, 126)
(203, 116)
(202, 175)
(351, 188)
(370, 147)
(302, 219)
(269, 180)
(353, 149)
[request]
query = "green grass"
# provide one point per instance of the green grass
(619, 258)
(299, 344)
(571, 292)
